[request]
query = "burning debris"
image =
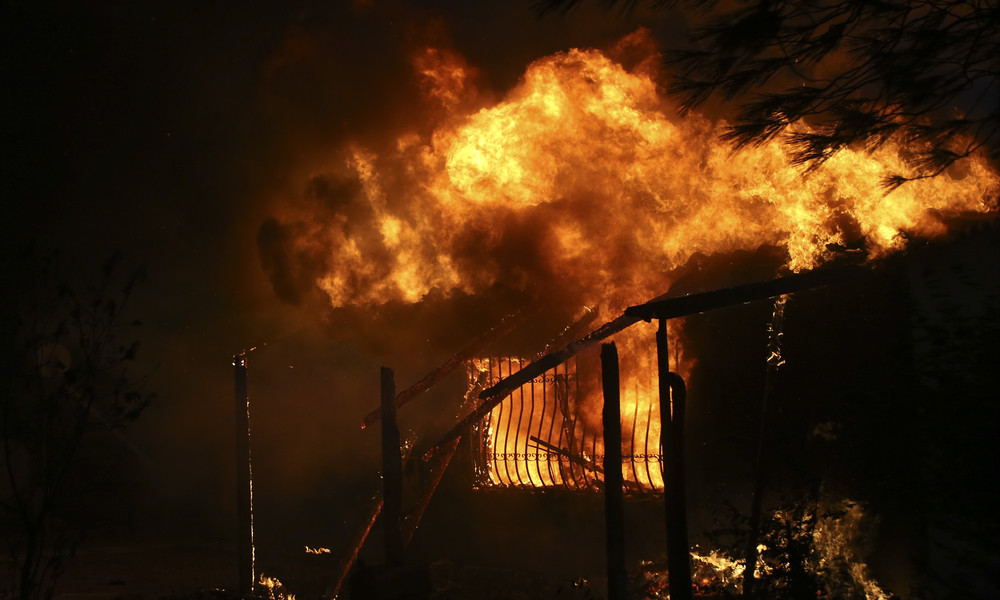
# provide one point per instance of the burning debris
(273, 588)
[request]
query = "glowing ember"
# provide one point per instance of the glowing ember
(274, 589)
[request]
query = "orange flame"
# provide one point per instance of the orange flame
(583, 179)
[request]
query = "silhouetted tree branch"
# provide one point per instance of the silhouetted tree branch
(860, 72)
(67, 355)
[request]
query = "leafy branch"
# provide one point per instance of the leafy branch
(860, 72)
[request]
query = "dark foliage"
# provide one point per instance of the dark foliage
(860, 72)
(67, 352)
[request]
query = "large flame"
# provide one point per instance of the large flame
(582, 183)
(583, 179)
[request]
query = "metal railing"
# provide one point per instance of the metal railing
(540, 438)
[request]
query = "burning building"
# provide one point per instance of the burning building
(581, 192)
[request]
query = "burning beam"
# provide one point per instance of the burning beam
(661, 307)
(668, 308)
(489, 398)
(505, 326)
(573, 458)
(583, 462)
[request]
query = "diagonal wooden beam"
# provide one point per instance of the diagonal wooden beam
(508, 324)
(490, 397)
(671, 307)
(661, 307)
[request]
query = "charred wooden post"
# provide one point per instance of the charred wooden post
(614, 496)
(773, 362)
(345, 565)
(753, 537)
(358, 542)
(661, 307)
(392, 472)
(673, 396)
(437, 473)
(667, 307)
(244, 479)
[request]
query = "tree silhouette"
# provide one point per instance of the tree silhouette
(66, 375)
(860, 72)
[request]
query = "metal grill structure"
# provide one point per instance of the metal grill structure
(537, 437)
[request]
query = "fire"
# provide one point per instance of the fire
(274, 589)
(583, 177)
(582, 183)
(835, 561)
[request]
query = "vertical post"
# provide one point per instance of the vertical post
(614, 498)
(753, 537)
(673, 395)
(775, 330)
(244, 479)
(392, 472)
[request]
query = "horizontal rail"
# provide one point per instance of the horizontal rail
(669, 308)
(661, 307)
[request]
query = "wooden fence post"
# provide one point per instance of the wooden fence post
(673, 396)
(392, 472)
(614, 497)
(244, 484)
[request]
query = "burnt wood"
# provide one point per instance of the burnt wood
(614, 495)
(347, 562)
(661, 307)
(244, 489)
(668, 308)
(673, 397)
(412, 520)
(392, 472)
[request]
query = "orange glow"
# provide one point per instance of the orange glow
(615, 190)
(583, 183)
